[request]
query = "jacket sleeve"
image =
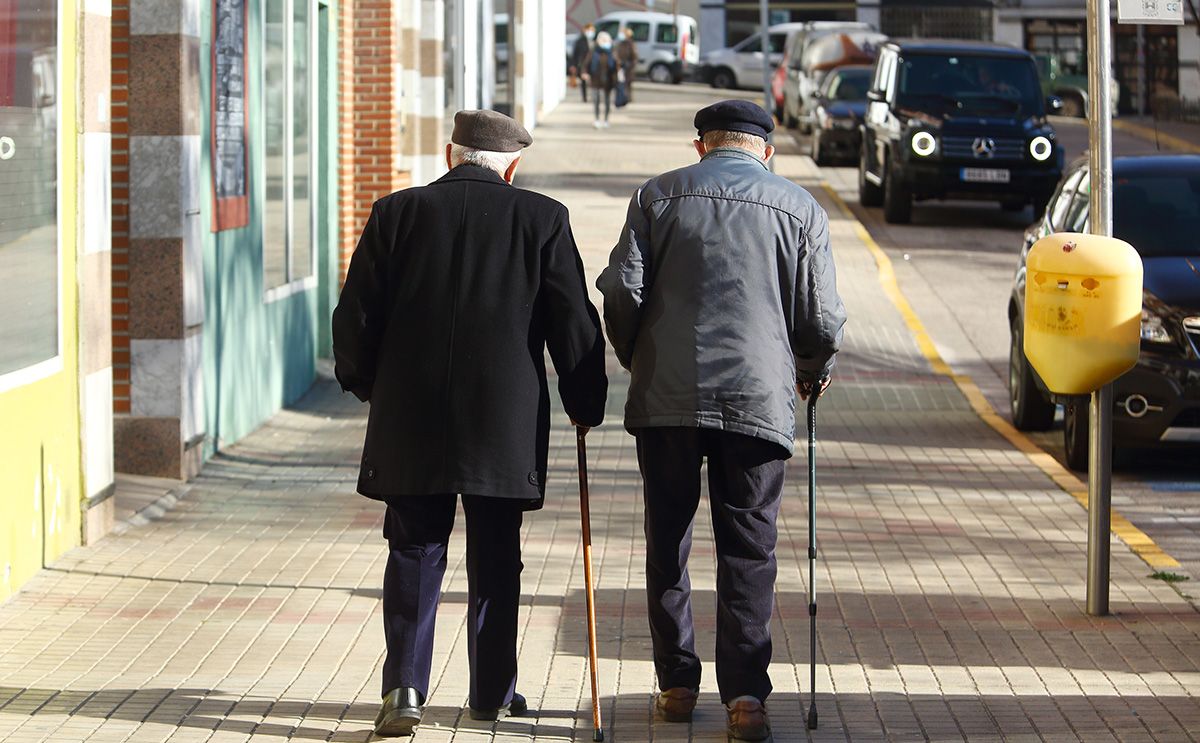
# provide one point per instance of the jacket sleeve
(623, 282)
(360, 317)
(820, 316)
(572, 324)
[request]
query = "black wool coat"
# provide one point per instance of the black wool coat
(453, 294)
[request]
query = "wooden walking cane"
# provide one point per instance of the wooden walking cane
(586, 519)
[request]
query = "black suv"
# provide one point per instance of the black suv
(956, 120)
(1156, 209)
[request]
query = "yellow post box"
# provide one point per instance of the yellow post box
(1083, 309)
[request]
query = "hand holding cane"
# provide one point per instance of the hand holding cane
(586, 522)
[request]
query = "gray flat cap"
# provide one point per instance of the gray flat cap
(489, 130)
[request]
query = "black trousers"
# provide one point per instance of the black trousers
(417, 529)
(745, 481)
(606, 94)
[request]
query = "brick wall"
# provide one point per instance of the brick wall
(369, 126)
(120, 205)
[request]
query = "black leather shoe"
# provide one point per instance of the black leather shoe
(517, 707)
(399, 713)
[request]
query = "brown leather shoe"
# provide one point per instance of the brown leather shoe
(748, 720)
(676, 705)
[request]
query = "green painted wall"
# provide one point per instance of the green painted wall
(258, 355)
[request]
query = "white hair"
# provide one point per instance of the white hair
(720, 138)
(497, 161)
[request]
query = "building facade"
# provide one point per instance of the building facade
(55, 362)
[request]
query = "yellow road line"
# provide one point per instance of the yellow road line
(1137, 540)
(1141, 131)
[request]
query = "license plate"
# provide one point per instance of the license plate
(985, 175)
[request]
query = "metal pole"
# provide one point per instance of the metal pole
(1100, 411)
(764, 17)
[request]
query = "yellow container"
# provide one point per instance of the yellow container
(1083, 310)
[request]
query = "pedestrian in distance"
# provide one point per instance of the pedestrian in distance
(579, 54)
(600, 70)
(721, 299)
(452, 296)
(627, 57)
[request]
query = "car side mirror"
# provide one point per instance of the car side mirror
(874, 95)
(1054, 104)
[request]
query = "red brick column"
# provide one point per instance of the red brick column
(120, 205)
(369, 123)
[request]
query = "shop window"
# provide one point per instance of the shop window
(29, 252)
(288, 97)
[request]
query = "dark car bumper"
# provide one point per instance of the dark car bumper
(937, 179)
(1171, 388)
(841, 143)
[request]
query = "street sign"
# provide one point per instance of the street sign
(1147, 12)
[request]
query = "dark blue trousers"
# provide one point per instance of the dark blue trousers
(417, 529)
(745, 480)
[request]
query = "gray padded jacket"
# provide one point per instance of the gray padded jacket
(720, 296)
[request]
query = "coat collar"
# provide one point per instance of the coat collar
(466, 172)
(737, 153)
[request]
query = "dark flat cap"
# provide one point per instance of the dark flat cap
(734, 116)
(489, 130)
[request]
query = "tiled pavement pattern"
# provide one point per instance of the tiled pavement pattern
(951, 573)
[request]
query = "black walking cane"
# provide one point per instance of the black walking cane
(586, 519)
(812, 557)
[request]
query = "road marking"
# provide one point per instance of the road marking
(1141, 131)
(1137, 540)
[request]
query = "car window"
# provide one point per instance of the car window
(1159, 215)
(1077, 215)
(971, 84)
(751, 44)
(693, 35)
(640, 29)
(667, 33)
(777, 43)
(1058, 208)
(847, 85)
(608, 27)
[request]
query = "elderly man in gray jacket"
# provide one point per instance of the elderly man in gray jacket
(720, 297)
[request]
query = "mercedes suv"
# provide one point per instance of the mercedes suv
(957, 120)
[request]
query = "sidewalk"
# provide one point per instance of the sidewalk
(950, 581)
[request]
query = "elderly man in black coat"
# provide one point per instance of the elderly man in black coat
(453, 295)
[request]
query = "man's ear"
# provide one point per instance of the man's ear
(768, 153)
(512, 170)
(449, 165)
(701, 150)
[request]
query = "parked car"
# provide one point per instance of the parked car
(839, 108)
(956, 120)
(796, 88)
(830, 51)
(1156, 208)
(741, 65)
(668, 46)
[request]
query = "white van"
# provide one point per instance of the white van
(668, 45)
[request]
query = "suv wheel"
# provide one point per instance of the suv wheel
(897, 199)
(723, 78)
(1031, 411)
(660, 73)
(1040, 202)
(868, 193)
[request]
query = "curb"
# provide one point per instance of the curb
(1138, 541)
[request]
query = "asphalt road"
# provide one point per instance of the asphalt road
(955, 263)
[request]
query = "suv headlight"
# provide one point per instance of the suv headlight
(924, 144)
(1153, 328)
(1041, 148)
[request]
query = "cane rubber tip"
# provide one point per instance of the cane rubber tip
(598, 736)
(812, 719)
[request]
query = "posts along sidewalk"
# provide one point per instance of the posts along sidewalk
(951, 573)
